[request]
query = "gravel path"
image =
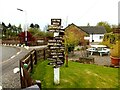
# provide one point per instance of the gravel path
(102, 60)
(99, 60)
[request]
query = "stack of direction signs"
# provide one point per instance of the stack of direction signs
(56, 45)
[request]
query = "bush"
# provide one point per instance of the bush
(110, 39)
(115, 49)
(78, 49)
(71, 48)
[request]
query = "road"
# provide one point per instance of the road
(9, 79)
(8, 52)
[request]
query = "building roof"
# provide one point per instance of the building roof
(76, 26)
(93, 29)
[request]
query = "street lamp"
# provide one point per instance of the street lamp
(25, 30)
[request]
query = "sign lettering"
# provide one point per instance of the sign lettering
(56, 46)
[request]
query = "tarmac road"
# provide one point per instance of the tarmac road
(8, 52)
(9, 79)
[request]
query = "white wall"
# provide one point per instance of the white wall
(96, 37)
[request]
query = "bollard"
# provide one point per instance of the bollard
(56, 75)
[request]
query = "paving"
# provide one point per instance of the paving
(99, 60)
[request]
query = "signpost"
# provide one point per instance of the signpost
(56, 48)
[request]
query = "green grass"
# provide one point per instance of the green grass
(77, 75)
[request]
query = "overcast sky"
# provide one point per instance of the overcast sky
(79, 12)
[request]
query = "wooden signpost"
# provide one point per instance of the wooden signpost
(56, 48)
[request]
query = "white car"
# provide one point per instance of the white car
(101, 49)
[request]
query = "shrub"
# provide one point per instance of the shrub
(70, 47)
(78, 49)
(115, 49)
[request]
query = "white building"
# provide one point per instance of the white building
(93, 34)
(96, 33)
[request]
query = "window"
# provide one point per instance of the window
(101, 37)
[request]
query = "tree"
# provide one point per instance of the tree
(30, 38)
(48, 34)
(36, 32)
(32, 25)
(33, 31)
(3, 24)
(9, 25)
(72, 39)
(36, 26)
(40, 34)
(10, 31)
(19, 29)
(4, 29)
(106, 25)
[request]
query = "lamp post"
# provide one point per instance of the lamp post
(25, 29)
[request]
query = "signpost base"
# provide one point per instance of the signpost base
(56, 75)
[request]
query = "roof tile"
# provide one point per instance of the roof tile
(93, 29)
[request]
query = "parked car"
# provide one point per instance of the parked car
(101, 49)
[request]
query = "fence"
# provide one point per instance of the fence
(30, 60)
(38, 42)
(13, 42)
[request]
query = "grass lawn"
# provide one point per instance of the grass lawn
(77, 75)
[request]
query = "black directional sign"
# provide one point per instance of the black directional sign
(55, 30)
(56, 45)
(56, 22)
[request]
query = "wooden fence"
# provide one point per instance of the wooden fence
(30, 60)
(38, 42)
(13, 42)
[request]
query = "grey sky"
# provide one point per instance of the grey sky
(79, 12)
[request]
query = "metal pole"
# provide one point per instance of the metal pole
(25, 29)
(26, 39)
